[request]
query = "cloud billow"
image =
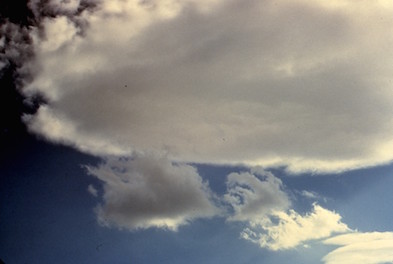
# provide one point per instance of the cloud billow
(298, 84)
(147, 191)
(255, 195)
(259, 200)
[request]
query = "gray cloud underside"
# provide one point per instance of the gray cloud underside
(254, 197)
(296, 83)
(147, 192)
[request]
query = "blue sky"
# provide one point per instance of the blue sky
(47, 215)
(202, 131)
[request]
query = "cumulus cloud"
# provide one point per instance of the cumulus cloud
(259, 200)
(285, 230)
(367, 248)
(254, 195)
(147, 191)
(296, 83)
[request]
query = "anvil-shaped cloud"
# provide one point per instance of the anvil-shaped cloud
(304, 84)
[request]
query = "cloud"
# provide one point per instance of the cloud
(148, 191)
(367, 248)
(92, 190)
(259, 200)
(284, 230)
(253, 197)
(309, 194)
(15, 46)
(296, 83)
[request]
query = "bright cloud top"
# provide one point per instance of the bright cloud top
(305, 84)
(146, 192)
(259, 199)
(367, 248)
(285, 230)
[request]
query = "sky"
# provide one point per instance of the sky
(205, 131)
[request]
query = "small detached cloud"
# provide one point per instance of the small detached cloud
(147, 191)
(259, 199)
(309, 194)
(365, 248)
(254, 195)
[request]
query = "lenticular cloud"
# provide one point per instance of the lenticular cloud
(297, 83)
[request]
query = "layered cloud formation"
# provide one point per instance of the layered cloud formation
(301, 84)
(297, 83)
(367, 248)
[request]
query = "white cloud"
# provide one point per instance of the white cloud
(59, 31)
(259, 200)
(253, 197)
(59, 128)
(365, 248)
(284, 230)
(145, 192)
(311, 195)
(305, 84)
(67, 6)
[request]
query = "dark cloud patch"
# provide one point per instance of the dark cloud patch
(73, 10)
(15, 48)
(17, 20)
(148, 191)
(17, 12)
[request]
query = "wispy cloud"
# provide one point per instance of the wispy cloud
(311, 195)
(296, 83)
(367, 248)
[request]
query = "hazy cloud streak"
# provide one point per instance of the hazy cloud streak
(367, 248)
